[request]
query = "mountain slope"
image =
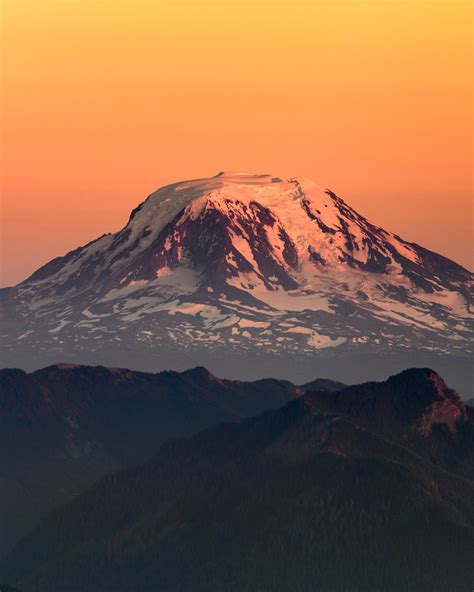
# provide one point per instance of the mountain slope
(236, 272)
(299, 498)
(65, 426)
(323, 384)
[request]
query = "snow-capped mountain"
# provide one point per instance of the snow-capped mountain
(244, 269)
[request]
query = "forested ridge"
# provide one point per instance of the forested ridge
(312, 496)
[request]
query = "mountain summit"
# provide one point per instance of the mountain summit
(237, 269)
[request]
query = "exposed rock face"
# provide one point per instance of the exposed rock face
(237, 271)
(415, 400)
(415, 408)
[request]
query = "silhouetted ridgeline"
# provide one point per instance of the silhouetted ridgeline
(248, 275)
(63, 427)
(368, 488)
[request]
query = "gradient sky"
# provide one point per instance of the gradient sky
(103, 101)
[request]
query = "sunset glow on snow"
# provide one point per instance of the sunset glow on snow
(103, 102)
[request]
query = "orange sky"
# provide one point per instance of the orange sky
(105, 100)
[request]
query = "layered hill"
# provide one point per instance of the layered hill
(248, 275)
(64, 426)
(368, 488)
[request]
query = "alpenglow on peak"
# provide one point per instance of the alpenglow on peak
(237, 270)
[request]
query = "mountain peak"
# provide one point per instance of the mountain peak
(435, 401)
(200, 373)
(245, 176)
(413, 401)
(425, 376)
(241, 264)
(62, 366)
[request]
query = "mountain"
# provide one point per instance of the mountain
(470, 402)
(248, 275)
(368, 488)
(64, 426)
(323, 384)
